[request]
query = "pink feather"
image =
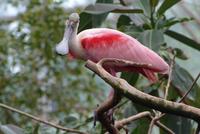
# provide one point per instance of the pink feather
(102, 43)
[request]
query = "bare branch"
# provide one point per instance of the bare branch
(162, 126)
(40, 120)
(169, 78)
(126, 121)
(151, 126)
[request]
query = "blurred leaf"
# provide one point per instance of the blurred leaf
(177, 124)
(154, 3)
(92, 20)
(152, 39)
(140, 126)
(131, 30)
(182, 38)
(89, 21)
(183, 80)
(166, 5)
(36, 129)
(180, 54)
(10, 129)
(100, 8)
(146, 7)
(104, 1)
(171, 21)
(123, 20)
(130, 77)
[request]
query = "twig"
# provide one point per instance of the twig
(126, 121)
(40, 120)
(183, 97)
(169, 78)
(121, 123)
(162, 126)
(157, 115)
(137, 96)
(194, 82)
(151, 126)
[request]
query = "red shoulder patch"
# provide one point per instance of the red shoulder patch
(106, 39)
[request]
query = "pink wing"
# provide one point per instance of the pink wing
(107, 43)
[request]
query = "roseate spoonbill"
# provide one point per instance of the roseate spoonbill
(98, 43)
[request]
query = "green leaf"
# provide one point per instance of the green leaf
(154, 3)
(146, 7)
(130, 77)
(166, 5)
(152, 39)
(131, 30)
(176, 21)
(89, 21)
(100, 8)
(182, 38)
(166, 23)
(10, 129)
(36, 129)
(177, 124)
(104, 1)
(92, 20)
(139, 126)
(123, 21)
(180, 54)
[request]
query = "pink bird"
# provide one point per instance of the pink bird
(98, 43)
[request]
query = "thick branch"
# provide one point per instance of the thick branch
(101, 115)
(40, 120)
(142, 98)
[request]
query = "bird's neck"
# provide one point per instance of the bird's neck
(75, 46)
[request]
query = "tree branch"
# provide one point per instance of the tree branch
(101, 112)
(142, 98)
(40, 120)
(120, 124)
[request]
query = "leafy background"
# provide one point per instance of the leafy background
(36, 80)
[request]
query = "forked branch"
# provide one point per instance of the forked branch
(137, 96)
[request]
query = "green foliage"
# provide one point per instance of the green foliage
(36, 80)
(166, 5)
(183, 39)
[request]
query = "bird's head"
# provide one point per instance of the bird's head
(71, 27)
